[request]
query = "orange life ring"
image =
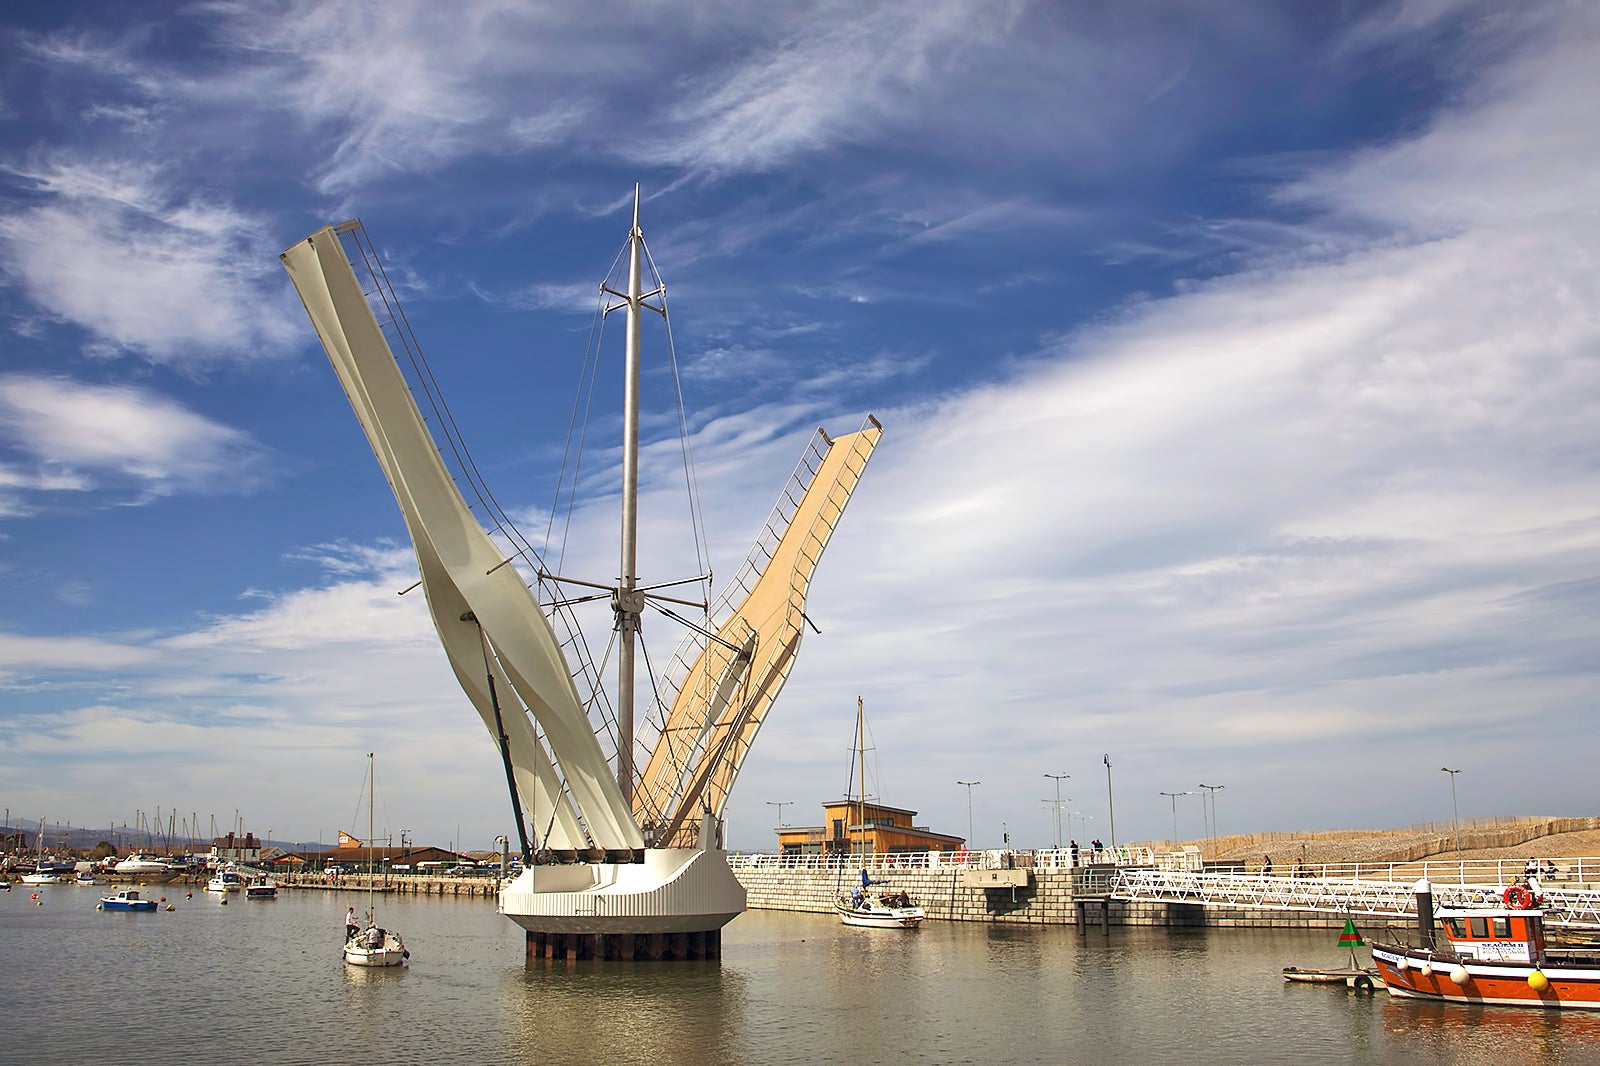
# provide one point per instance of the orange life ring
(1519, 897)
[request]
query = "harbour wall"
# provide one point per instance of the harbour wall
(1047, 899)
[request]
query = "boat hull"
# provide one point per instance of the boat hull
(133, 905)
(392, 952)
(868, 916)
(1414, 973)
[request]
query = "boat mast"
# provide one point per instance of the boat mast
(861, 766)
(626, 601)
(372, 788)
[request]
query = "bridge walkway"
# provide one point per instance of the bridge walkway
(1575, 906)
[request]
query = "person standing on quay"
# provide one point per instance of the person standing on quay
(1074, 852)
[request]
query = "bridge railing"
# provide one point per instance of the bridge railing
(992, 859)
(1575, 871)
(1570, 904)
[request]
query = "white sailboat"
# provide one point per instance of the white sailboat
(872, 905)
(622, 863)
(41, 875)
(374, 945)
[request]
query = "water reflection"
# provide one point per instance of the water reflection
(1507, 1035)
(639, 1011)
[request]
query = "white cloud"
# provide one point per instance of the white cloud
(178, 280)
(122, 439)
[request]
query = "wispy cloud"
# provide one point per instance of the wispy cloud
(128, 442)
(172, 277)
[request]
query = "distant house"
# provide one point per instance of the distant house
(353, 853)
(244, 850)
(849, 826)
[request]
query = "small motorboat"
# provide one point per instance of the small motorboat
(126, 900)
(226, 881)
(1490, 954)
(261, 888)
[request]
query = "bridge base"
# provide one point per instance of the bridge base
(625, 947)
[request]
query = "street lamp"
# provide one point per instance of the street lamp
(1174, 796)
(1058, 778)
(1111, 806)
(1083, 821)
(1455, 812)
(1212, 790)
(969, 785)
(780, 804)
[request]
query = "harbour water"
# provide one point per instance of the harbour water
(262, 981)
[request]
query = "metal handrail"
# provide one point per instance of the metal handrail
(992, 859)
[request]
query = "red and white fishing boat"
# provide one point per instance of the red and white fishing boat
(1491, 955)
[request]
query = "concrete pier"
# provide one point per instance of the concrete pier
(1050, 897)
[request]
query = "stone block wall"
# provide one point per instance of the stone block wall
(1047, 901)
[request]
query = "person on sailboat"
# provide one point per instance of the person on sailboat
(374, 937)
(351, 928)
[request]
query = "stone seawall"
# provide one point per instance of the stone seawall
(1046, 900)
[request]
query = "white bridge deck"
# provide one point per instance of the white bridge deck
(1569, 905)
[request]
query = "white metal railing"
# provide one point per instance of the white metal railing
(1566, 904)
(1573, 871)
(993, 859)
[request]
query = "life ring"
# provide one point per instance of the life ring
(1519, 897)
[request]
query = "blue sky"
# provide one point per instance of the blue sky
(1239, 368)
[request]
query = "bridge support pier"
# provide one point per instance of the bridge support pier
(625, 947)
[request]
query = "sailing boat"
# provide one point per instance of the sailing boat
(871, 906)
(373, 946)
(42, 874)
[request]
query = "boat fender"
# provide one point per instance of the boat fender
(102, 906)
(1519, 897)
(1426, 969)
(406, 954)
(1403, 964)
(1458, 975)
(1538, 981)
(1362, 983)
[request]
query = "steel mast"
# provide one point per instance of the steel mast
(625, 601)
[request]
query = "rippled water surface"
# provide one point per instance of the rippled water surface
(263, 981)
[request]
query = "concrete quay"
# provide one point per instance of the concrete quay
(1049, 897)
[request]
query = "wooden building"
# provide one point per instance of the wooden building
(847, 825)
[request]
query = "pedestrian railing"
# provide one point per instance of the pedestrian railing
(1569, 904)
(994, 859)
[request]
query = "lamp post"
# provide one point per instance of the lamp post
(780, 804)
(1111, 806)
(1455, 812)
(1174, 796)
(969, 785)
(1058, 779)
(1212, 790)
